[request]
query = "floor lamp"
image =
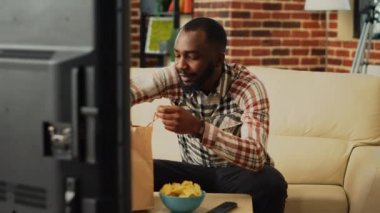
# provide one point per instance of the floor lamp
(326, 6)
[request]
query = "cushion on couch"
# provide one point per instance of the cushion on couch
(316, 119)
(316, 198)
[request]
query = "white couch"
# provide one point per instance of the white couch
(324, 137)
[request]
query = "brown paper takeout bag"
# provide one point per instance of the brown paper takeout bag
(142, 168)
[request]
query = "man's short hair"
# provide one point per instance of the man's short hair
(215, 32)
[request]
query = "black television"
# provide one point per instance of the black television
(64, 106)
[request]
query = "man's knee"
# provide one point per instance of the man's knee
(269, 182)
(270, 191)
(274, 180)
(238, 180)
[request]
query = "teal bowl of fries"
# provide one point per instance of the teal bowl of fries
(182, 204)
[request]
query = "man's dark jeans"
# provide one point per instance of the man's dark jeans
(267, 187)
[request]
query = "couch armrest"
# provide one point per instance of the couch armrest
(362, 179)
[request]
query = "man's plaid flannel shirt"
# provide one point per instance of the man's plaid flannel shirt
(236, 115)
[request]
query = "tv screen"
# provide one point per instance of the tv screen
(64, 108)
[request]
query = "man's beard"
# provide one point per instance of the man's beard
(199, 82)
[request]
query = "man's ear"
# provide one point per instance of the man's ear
(220, 59)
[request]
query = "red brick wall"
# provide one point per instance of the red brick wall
(341, 53)
(278, 33)
(135, 33)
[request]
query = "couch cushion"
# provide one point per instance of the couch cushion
(316, 116)
(309, 159)
(316, 199)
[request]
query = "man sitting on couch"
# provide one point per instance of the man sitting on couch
(220, 113)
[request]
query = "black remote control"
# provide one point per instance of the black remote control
(223, 207)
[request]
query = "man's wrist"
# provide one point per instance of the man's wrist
(201, 129)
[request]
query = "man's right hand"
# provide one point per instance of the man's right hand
(178, 120)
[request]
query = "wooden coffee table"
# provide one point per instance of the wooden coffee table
(211, 200)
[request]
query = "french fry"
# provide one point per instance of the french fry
(184, 189)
